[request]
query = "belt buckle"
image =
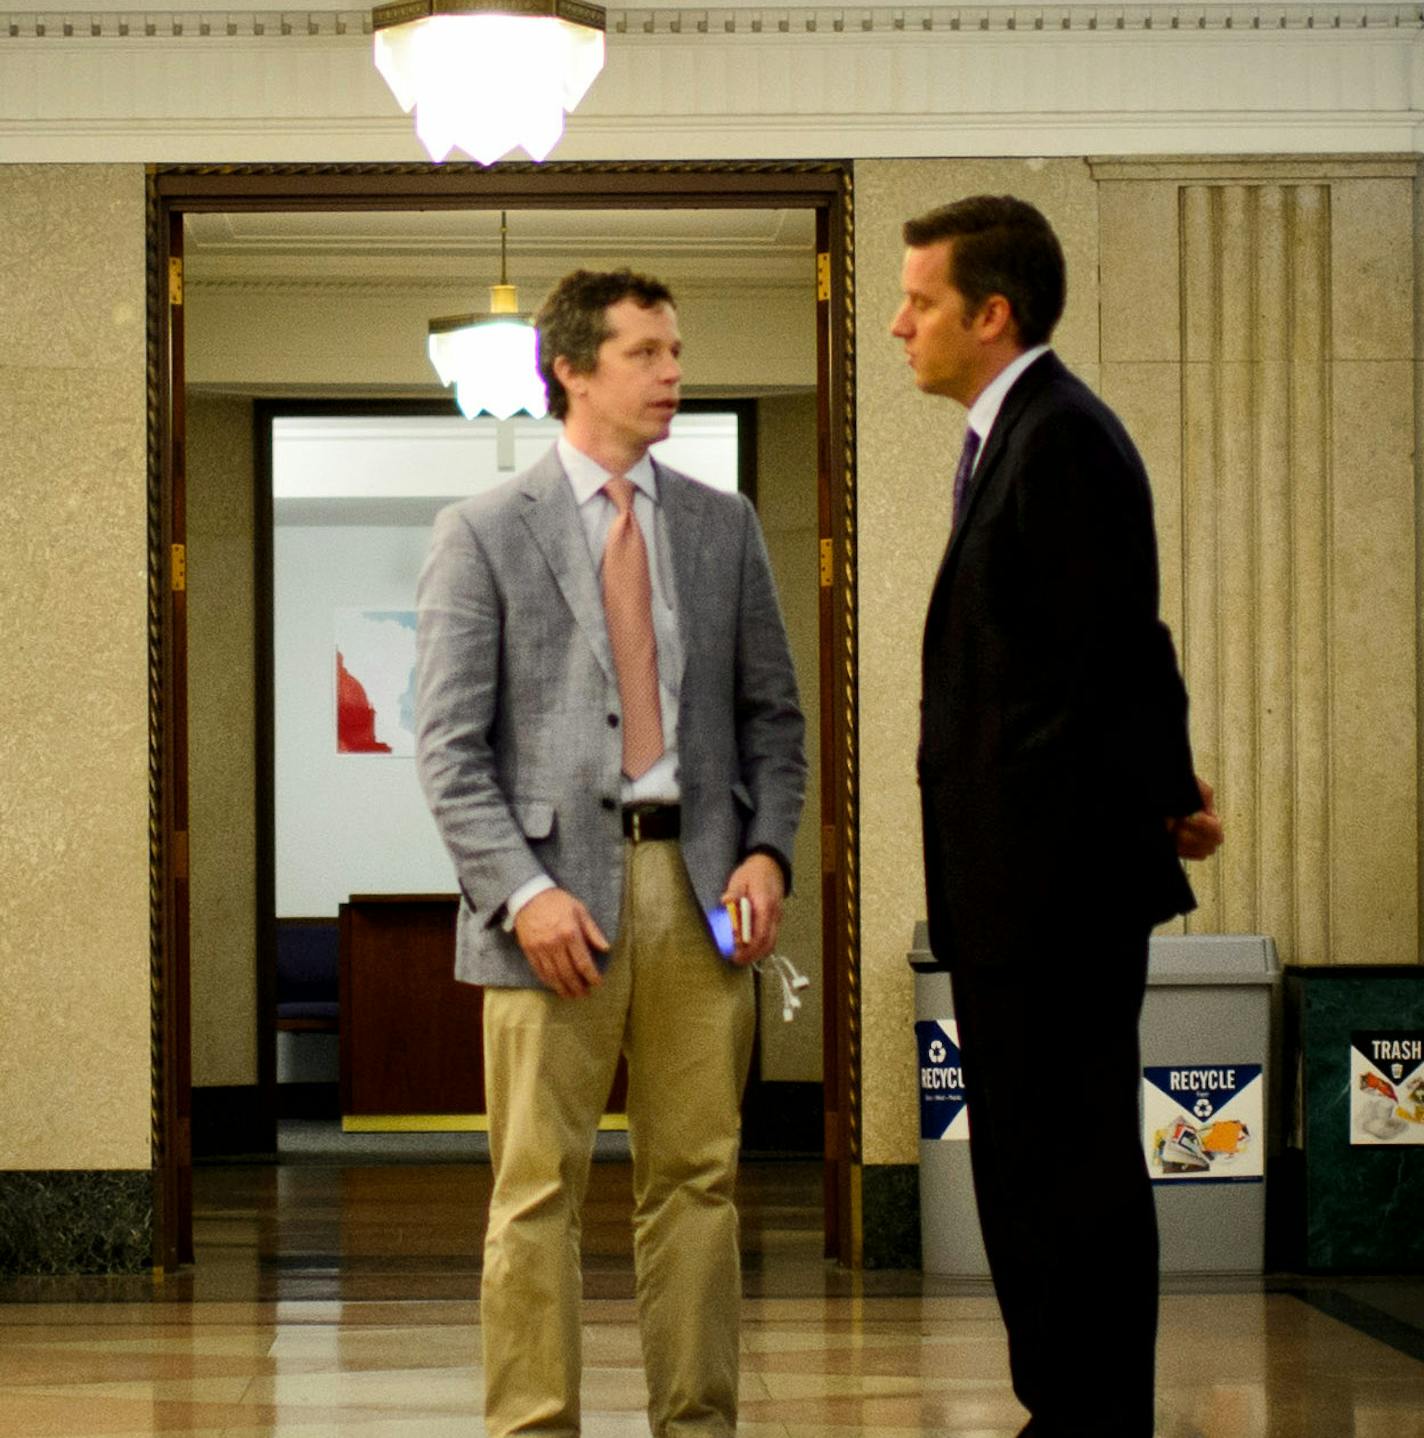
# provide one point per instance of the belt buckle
(637, 834)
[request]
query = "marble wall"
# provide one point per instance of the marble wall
(907, 444)
(1253, 322)
(787, 503)
(222, 755)
(74, 910)
(1279, 362)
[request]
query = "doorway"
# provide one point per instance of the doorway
(822, 191)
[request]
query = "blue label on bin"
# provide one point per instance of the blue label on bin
(1203, 1123)
(943, 1114)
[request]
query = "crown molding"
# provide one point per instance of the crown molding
(670, 23)
(1258, 169)
(747, 82)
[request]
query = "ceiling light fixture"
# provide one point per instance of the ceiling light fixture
(491, 359)
(489, 76)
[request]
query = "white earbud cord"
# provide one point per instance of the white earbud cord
(792, 982)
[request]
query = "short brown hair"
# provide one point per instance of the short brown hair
(1002, 246)
(573, 322)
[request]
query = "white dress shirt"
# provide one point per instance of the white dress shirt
(985, 409)
(659, 785)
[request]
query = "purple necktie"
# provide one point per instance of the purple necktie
(963, 471)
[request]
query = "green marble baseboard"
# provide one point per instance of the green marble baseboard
(890, 1215)
(76, 1221)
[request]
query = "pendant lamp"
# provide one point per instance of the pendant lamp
(491, 359)
(489, 76)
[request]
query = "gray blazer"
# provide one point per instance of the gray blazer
(518, 748)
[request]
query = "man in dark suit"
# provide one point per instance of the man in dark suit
(610, 742)
(1057, 795)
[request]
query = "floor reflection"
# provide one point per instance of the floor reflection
(340, 1298)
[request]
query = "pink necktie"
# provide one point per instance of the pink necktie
(628, 611)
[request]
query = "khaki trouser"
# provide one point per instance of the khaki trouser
(684, 1017)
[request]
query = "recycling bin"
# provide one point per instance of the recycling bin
(950, 1242)
(1208, 1031)
(1209, 1043)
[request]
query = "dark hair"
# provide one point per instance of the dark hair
(1002, 246)
(573, 322)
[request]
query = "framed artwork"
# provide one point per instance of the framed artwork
(375, 681)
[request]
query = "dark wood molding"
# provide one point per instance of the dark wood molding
(734, 184)
(823, 185)
(840, 763)
(168, 746)
(160, 1116)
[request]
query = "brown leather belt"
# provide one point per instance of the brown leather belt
(644, 822)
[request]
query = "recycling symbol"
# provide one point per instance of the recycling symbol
(1203, 1107)
(936, 1051)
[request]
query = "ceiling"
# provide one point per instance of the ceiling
(689, 247)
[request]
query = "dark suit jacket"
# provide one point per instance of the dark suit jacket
(1053, 718)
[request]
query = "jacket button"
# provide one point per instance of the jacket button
(608, 803)
(612, 721)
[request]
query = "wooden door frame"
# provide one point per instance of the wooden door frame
(823, 186)
(170, 1030)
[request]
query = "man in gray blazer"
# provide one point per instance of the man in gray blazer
(595, 823)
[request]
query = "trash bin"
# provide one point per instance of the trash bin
(1207, 1080)
(1356, 1155)
(1207, 1030)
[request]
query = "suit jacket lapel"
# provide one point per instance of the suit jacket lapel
(553, 520)
(1015, 402)
(684, 514)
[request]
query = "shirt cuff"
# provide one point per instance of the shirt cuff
(782, 862)
(521, 896)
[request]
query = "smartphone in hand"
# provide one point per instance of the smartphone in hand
(731, 923)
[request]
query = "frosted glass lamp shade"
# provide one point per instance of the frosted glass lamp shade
(491, 363)
(484, 81)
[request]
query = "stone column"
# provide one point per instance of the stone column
(1279, 295)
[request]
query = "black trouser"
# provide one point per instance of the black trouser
(1052, 1074)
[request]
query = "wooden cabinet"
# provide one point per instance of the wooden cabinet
(411, 1039)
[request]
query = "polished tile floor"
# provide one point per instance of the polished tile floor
(339, 1299)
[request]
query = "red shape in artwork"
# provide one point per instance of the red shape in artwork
(355, 718)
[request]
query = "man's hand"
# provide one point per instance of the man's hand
(1199, 835)
(757, 878)
(556, 932)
